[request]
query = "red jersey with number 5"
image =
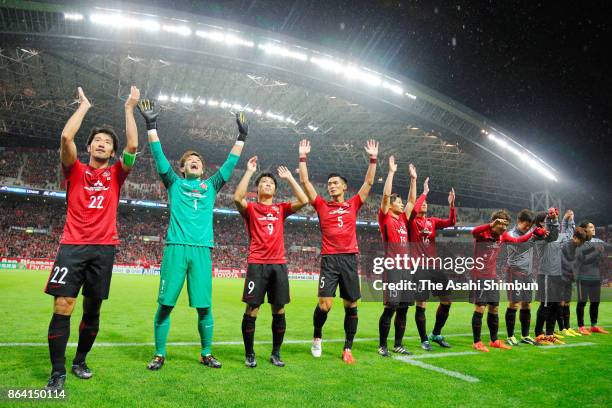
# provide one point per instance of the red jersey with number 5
(338, 223)
(93, 197)
(265, 225)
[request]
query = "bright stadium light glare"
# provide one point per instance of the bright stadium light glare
(362, 76)
(73, 16)
(249, 110)
(393, 87)
(328, 64)
(162, 98)
(186, 99)
(313, 128)
(282, 52)
(180, 30)
(225, 105)
(120, 21)
(212, 102)
(227, 39)
(237, 107)
(525, 157)
(201, 101)
(411, 96)
(174, 98)
(258, 112)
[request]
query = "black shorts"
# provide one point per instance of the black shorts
(588, 291)
(520, 294)
(566, 290)
(89, 266)
(397, 297)
(550, 289)
(339, 269)
(484, 295)
(436, 277)
(272, 279)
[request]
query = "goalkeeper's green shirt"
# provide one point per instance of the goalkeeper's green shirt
(191, 201)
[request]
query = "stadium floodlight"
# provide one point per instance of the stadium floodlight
(411, 96)
(282, 52)
(186, 99)
(313, 128)
(212, 102)
(73, 16)
(237, 107)
(201, 101)
(227, 39)
(530, 159)
(174, 98)
(393, 87)
(328, 64)
(249, 110)
(355, 73)
(258, 112)
(120, 21)
(177, 29)
(162, 98)
(225, 105)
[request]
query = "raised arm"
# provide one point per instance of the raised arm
(442, 223)
(304, 149)
(412, 191)
(552, 225)
(568, 225)
(302, 199)
(242, 187)
(68, 151)
(388, 189)
(371, 149)
(224, 173)
(131, 132)
(148, 111)
(419, 202)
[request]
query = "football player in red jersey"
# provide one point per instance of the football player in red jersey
(267, 266)
(87, 246)
(338, 223)
(422, 234)
(392, 222)
(488, 239)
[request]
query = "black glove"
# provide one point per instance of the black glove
(146, 107)
(243, 126)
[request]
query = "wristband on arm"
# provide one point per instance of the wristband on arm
(129, 158)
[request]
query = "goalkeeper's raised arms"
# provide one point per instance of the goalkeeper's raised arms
(243, 126)
(146, 107)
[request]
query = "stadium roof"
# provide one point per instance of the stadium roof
(201, 69)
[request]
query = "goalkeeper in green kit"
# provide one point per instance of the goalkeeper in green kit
(187, 253)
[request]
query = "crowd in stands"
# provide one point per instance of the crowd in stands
(40, 168)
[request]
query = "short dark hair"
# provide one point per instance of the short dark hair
(580, 233)
(525, 215)
(107, 130)
(393, 197)
(337, 175)
(540, 217)
(269, 175)
(501, 214)
(585, 223)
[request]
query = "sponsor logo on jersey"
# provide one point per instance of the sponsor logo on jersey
(339, 211)
(268, 217)
(194, 194)
(98, 186)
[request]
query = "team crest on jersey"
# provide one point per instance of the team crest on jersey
(98, 186)
(106, 174)
(204, 186)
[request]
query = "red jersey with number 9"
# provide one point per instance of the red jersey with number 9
(265, 226)
(93, 197)
(338, 222)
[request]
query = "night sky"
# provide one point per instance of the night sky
(536, 68)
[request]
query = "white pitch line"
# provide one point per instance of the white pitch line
(583, 344)
(450, 373)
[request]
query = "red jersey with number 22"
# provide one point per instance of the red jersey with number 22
(93, 197)
(265, 225)
(338, 222)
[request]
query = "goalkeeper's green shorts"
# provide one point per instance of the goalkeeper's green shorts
(193, 262)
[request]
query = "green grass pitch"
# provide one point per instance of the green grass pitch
(546, 376)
